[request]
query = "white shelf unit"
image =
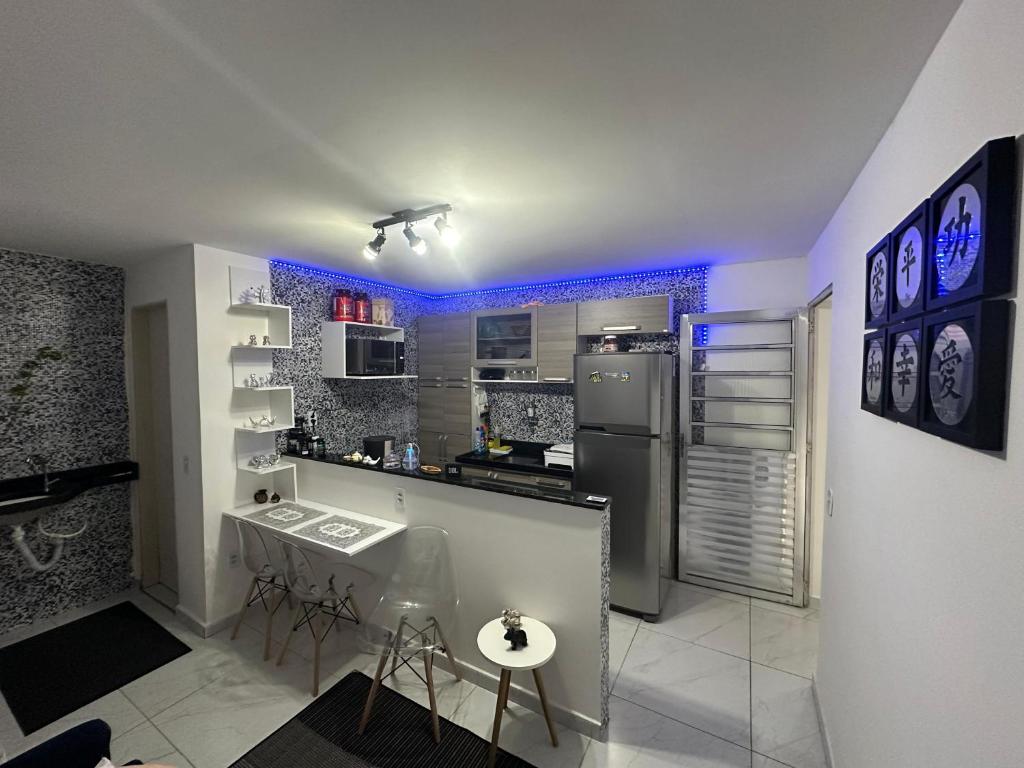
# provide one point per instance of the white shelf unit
(274, 401)
(332, 337)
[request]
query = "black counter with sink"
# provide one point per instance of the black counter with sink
(22, 495)
(525, 457)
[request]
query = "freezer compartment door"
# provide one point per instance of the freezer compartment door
(620, 392)
(628, 469)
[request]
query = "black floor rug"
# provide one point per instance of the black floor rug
(54, 673)
(323, 735)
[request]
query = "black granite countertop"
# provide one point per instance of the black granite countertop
(572, 498)
(525, 457)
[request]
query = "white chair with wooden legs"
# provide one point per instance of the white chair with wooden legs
(268, 582)
(421, 598)
(316, 600)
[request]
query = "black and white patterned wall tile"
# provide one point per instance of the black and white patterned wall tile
(553, 406)
(347, 410)
(75, 414)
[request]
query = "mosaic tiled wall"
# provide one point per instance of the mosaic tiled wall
(348, 410)
(74, 413)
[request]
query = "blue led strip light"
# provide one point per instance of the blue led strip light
(702, 271)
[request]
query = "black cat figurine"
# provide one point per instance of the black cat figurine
(517, 637)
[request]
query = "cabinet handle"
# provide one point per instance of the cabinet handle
(551, 483)
(556, 378)
(457, 386)
(620, 328)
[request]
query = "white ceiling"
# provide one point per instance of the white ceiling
(571, 137)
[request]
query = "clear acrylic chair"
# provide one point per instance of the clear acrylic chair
(421, 598)
(317, 599)
(267, 581)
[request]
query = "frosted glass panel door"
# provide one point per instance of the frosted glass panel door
(741, 521)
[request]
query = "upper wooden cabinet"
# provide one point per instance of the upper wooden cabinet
(430, 347)
(457, 340)
(556, 342)
(642, 314)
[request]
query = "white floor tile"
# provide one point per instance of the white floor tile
(620, 636)
(523, 731)
(716, 592)
(784, 642)
(760, 761)
(119, 713)
(811, 612)
(174, 760)
(449, 693)
(695, 685)
(785, 724)
(221, 721)
(143, 742)
(639, 738)
(706, 618)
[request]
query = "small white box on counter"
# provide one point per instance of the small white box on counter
(560, 455)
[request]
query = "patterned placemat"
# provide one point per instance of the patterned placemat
(338, 531)
(284, 516)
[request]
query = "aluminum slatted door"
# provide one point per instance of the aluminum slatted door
(743, 414)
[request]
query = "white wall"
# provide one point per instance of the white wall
(169, 277)
(922, 631)
(541, 558)
(777, 284)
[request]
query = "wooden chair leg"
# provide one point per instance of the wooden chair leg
(318, 638)
(448, 652)
(269, 630)
(506, 679)
(245, 606)
(544, 706)
(291, 631)
(373, 690)
(428, 665)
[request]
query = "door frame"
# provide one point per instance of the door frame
(813, 308)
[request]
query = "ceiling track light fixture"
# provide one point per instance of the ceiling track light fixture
(449, 235)
(372, 248)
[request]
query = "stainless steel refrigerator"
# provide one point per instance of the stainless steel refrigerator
(624, 448)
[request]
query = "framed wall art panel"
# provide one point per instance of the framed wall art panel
(873, 373)
(876, 290)
(965, 373)
(907, 265)
(971, 225)
(903, 352)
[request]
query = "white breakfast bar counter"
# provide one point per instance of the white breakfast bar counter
(546, 555)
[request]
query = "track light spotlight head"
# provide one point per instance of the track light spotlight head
(418, 245)
(449, 234)
(372, 249)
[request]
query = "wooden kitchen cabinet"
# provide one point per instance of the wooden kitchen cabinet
(641, 314)
(430, 347)
(457, 340)
(556, 342)
(431, 447)
(457, 406)
(432, 406)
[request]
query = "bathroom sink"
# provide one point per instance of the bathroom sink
(19, 506)
(22, 498)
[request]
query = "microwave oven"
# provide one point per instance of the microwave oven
(373, 357)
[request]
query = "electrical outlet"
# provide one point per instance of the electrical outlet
(399, 499)
(184, 464)
(234, 560)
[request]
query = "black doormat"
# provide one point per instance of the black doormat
(399, 735)
(54, 673)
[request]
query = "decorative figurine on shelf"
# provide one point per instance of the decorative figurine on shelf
(266, 341)
(512, 621)
(260, 496)
(252, 340)
(262, 294)
(253, 380)
(275, 498)
(264, 460)
(263, 421)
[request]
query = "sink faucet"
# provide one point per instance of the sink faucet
(38, 463)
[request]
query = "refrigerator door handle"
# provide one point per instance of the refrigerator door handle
(590, 428)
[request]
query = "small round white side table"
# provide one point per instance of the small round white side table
(538, 651)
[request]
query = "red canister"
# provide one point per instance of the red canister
(364, 310)
(344, 306)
